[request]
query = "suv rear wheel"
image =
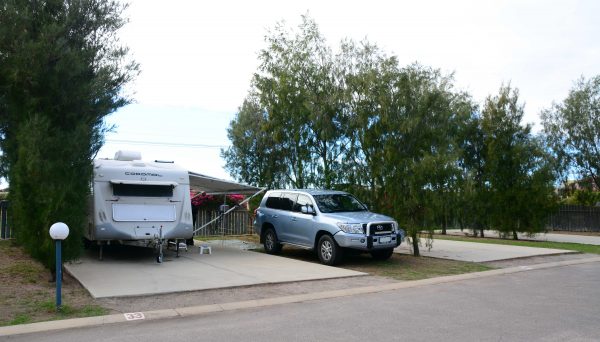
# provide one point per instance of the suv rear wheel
(329, 252)
(271, 244)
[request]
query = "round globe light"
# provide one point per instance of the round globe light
(59, 231)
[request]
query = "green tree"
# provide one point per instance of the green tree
(421, 152)
(62, 71)
(296, 88)
(366, 71)
(449, 182)
(474, 188)
(573, 130)
(253, 156)
(518, 169)
(357, 121)
(583, 197)
(401, 128)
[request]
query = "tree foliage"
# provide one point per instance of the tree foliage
(62, 71)
(400, 137)
(472, 199)
(254, 157)
(296, 86)
(401, 128)
(573, 130)
(517, 169)
(583, 197)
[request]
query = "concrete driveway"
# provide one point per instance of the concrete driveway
(131, 271)
(478, 252)
(554, 237)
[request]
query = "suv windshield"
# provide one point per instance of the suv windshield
(338, 203)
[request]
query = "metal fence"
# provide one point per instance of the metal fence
(576, 218)
(5, 230)
(568, 218)
(237, 222)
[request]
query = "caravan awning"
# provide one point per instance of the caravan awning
(216, 186)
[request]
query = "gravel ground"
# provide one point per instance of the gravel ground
(219, 296)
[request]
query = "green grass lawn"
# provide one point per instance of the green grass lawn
(594, 249)
(28, 297)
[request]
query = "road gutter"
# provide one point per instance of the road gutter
(257, 303)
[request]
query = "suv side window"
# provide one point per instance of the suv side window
(288, 200)
(303, 200)
(274, 200)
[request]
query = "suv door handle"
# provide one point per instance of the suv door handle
(294, 219)
(274, 216)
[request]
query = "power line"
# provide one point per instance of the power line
(166, 144)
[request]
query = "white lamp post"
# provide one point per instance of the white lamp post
(58, 231)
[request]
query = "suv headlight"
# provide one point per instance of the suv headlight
(353, 228)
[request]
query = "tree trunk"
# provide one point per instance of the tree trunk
(326, 167)
(515, 236)
(415, 243)
(481, 232)
(444, 224)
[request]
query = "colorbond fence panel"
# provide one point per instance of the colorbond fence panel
(576, 218)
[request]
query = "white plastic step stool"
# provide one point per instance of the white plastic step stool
(203, 248)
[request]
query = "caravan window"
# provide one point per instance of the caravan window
(142, 190)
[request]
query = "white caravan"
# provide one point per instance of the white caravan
(139, 203)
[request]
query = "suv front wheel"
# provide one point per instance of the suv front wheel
(329, 252)
(272, 245)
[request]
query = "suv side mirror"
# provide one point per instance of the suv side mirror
(305, 209)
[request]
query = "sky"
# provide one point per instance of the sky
(197, 58)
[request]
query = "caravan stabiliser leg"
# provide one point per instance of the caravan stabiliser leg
(159, 257)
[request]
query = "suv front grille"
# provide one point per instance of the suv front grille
(379, 228)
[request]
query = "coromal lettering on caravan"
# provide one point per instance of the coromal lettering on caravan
(142, 174)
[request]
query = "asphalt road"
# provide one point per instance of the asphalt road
(556, 304)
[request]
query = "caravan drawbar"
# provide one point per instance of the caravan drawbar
(139, 203)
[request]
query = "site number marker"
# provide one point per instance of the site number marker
(134, 316)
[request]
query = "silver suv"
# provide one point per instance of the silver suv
(325, 221)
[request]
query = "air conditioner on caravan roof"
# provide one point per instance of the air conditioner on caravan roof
(125, 155)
